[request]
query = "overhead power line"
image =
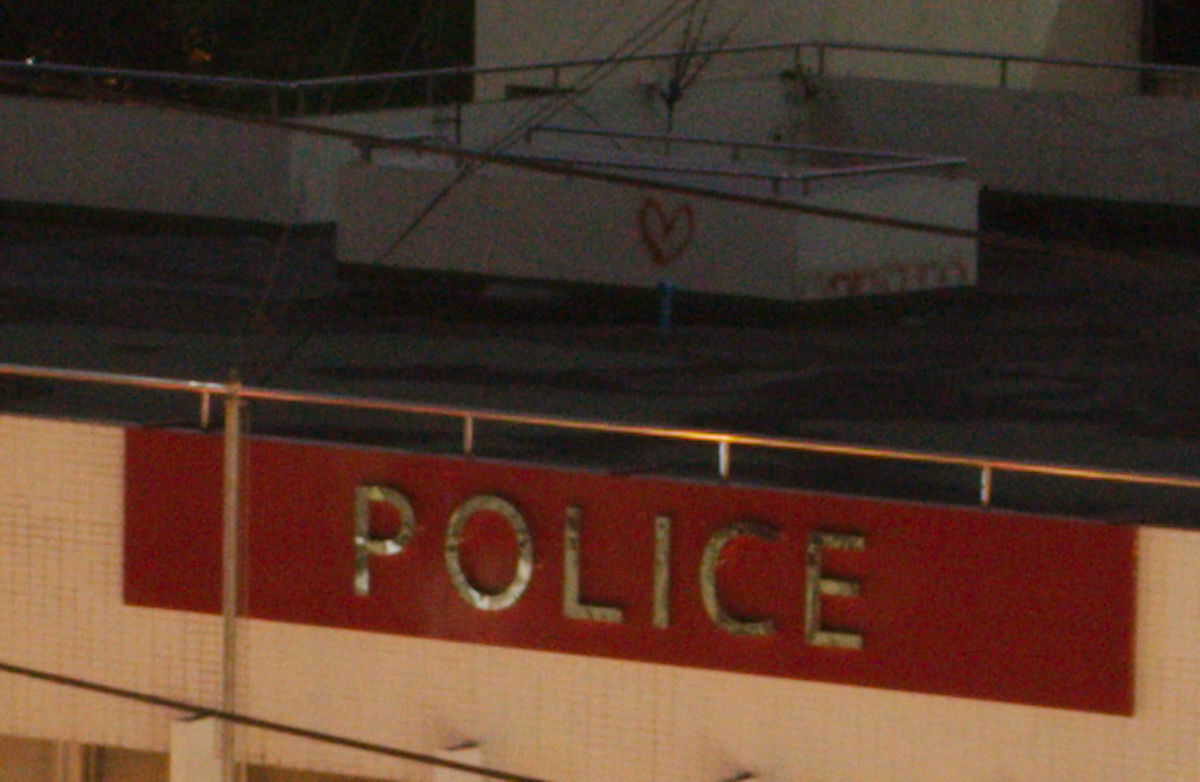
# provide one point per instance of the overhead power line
(262, 724)
(633, 44)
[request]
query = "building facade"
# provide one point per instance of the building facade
(91, 544)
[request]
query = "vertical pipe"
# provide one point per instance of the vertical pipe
(985, 485)
(723, 458)
(71, 762)
(468, 435)
(205, 410)
(230, 564)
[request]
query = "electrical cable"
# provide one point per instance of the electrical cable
(262, 724)
(662, 21)
(632, 45)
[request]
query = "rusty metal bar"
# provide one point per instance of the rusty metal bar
(230, 571)
(468, 435)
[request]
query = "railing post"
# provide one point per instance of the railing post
(723, 459)
(230, 567)
(468, 444)
(985, 485)
(205, 410)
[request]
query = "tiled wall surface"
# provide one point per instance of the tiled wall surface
(543, 714)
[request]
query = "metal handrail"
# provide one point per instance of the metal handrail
(796, 49)
(735, 145)
(470, 417)
(776, 178)
(135, 74)
(1000, 58)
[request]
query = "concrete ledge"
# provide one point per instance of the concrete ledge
(153, 222)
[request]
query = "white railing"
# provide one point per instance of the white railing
(304, 96)
(888, 162)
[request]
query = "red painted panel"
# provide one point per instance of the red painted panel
(953, 601)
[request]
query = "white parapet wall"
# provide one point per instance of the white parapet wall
(144, 159)
(552, 716)
(532, 227)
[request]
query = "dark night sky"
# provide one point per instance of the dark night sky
(266, 38)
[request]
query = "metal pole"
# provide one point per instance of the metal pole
(723, 458)
(230, 564)
(985, 485)
(468, 435)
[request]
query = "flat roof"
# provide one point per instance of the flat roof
(1049, 359)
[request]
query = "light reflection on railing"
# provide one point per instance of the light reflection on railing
(470, 418)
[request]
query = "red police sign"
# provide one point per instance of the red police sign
(900, 595)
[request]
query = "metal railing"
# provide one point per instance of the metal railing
(303, 96)
(737, 146)
(233, 393)
(775, 177)
(898, 163)
(1002, 60)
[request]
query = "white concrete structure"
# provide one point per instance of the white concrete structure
(505, 224)
(546, 30)
(140, 159)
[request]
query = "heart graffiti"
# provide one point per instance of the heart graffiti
(666, 236)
